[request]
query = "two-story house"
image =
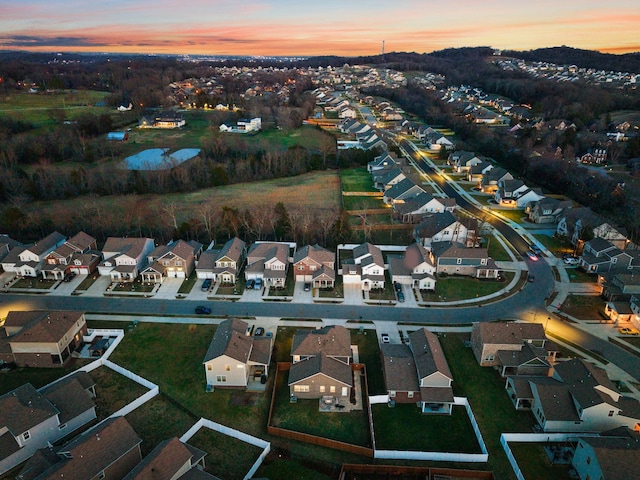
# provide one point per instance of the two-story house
(453, 258)
(366, 268)
(321, 364)
(223, 265)
(383, 162)
(268, 261)
(601, 256)
(462, 161)
(445, 227)
(124, 257)
(74, 255)
(414, 268)
(546, 210)
(235, 358)
(413, 209)
(31, 258)
(174, 260)
(40, 338)
(402, 190)
(490, 179)
(315, 264)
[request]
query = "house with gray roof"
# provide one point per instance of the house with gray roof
(476, 172)
(601, 256)
(177, 259)
(453, 258)
(443, 227)
(125, 257)
(462, 161)
(235, 358)
(31, 258)
(315, 264)
(32, 419)
(321, 364)
(613, 455)
(224, 265)
(490, 179)
(60, 261)
(268, 261)
(547, 209)
(366, 268)
(384, 179)
(414, 209)
(401, 191)
(415, 268)
(383, 162)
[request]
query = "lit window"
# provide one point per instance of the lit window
(301, 388)
(227, 367)
(332, 389)
(322, 388)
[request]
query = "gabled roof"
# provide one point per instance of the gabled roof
(428, 354)
(233, 249)
(179, 248)
(267, 251)
(617, 456)
(434, 223)
(399, 368)
(506, 333)
(316, 253)
(321, 364)
(166, 460)
(231, 340)
(367, 253)
(81, 241)
(416, 255)
(332, 340)
(415, 203)
(132, 247)
(70, 398)
(46, 243)
(403, 187)
(23, 408)
(39, 326)
(456, 250)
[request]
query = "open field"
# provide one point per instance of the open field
(315, 192)
(357, 180)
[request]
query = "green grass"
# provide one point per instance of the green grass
(363, 203)
(534, 462)
(38, 377)
(497, 251)
(282, 469)
(423, 432)
(452, 288)
(517, 216)
(584, 307)
(577, 275)
(369, 353)
(555, 245)
(376, 219)
(113, 391)
(188, 283)
(304, 416)
(491, 406)
(356, 180)
(32, 282)
(227, 457)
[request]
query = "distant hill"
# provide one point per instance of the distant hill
(629, 62)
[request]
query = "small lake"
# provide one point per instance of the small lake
(159, 158)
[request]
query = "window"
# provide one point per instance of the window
(178, 263)
(209, 367)
(227, 368)
(221, 378)
(312, 268)
(410, 394)
(301, 388)
(459, 261)
(489, 358)
(322, 388)
(62, 427)
(392, 394)
(611, 412)
(26, 435)
(332, 389)
(300, 267)
(166, 263)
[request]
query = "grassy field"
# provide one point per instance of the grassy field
(534, 463)
(113, 391)
(357, 180)
(315, 192)
(423, 432)
(453, 288)
(369, 354)
(586, 307)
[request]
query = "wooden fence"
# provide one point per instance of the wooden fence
(393, 471)
(363, 194)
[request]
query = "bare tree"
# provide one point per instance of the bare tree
(171, 210)
(210, 217)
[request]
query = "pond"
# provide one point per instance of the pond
(159, 158)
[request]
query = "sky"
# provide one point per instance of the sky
(314, 27)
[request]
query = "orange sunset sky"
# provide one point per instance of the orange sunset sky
(306, 28)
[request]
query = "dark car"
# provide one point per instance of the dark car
(532, 278)
(69, 276)
(250, 284)
(536, 249)
(307, 287)
(206, 284)
(400, 297)
(202, 310)
(259, 332)
(397, 286)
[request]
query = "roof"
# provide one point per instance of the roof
(509, 332)
(616, 455)
(428, 354)
(434, 223)
(332, 340)
(234, 248)
(81, 241)
(231, 340)
(261, 351)
(316, 253)
(70, 398)
(366, 253)
(47, 243)
(23, 408)
(266, 251)
(582, 378)
(321, 365)
(132, 246)
(40, 326)
(456, 250)
(399, 368)
(165, 461)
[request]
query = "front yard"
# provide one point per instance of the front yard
(584, 307)
(452, 288)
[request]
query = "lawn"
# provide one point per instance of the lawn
(423, 432)
(188, 283)
(584, 307)
(577, 275)
(369, 354)
(489, 401)
(555, 245)
(452, 288)
(31, 282)
(356, 180)
(497, 251)
(38, 377)
(534, 462)
(517, 216)
(304, 416)
(363, 203)
(113, 391)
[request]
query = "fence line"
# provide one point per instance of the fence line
(363, 194)
(377, 399)
(432, 456)
(130, 375)
(464, 401)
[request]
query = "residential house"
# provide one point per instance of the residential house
(125, 258)
(243, 125)
(621, 287)
(443, 227)
(400, 374)
(546, 210)
(400, 191)
(619, 312)
(71, 255)
(582, 399)
(491, 178)
(32, 419)
(321, 364)
(434, 376)
(462, 161)
(601, 256)
(268, 261)
(414, 268)
(6, 245)
(366, 268)
(489, 338)
(315, 264)
(384, 179)
(40, 338)
(31, 259)
(613, 455)
(413, 209)
(383, 162)
(347, 112)
(236, 359)
(453, 258)
(165, 119)
(223, 266)
(435, 141)
(476, 172)
(171, 460)
(581, 223)
(595, 156)
(508, 191)
(108, 451)
(177, 259)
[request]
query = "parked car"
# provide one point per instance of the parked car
(385, 338)
(401, 297)
(531, 278)
(307, 287)
(259, 332)
(629, 331)
(570, 260)
(69, 276)
(202, 310)
(206, 284)
(250, 284)
(536, 249)
(397, 286)
(532, 256)
(258, 284)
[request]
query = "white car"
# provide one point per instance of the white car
(570, 260)
(385, 338)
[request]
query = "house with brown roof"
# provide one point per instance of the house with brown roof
(415, 268)
(125, 257)
(444, 226)
(582, 399)
(235, 358)
(108, 451)
(65, 258)
(321, 364)
(268, 261)
(222, 266)
(171, 460)
(31, 419)
(31, 259)
(174, 260)
(613, 455)
(41, 338)
(315, 264)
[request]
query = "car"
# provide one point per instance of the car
(532, 256)
(307, 287)
(250, 284)
(206, 284)
(531, 278)
(629, 331)
(385, 338)
(536, 249)
(69, 276)
(401, 297)
(202, 310)
(570, 260)
(259, 332)
(397, 286)
(257, 284)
